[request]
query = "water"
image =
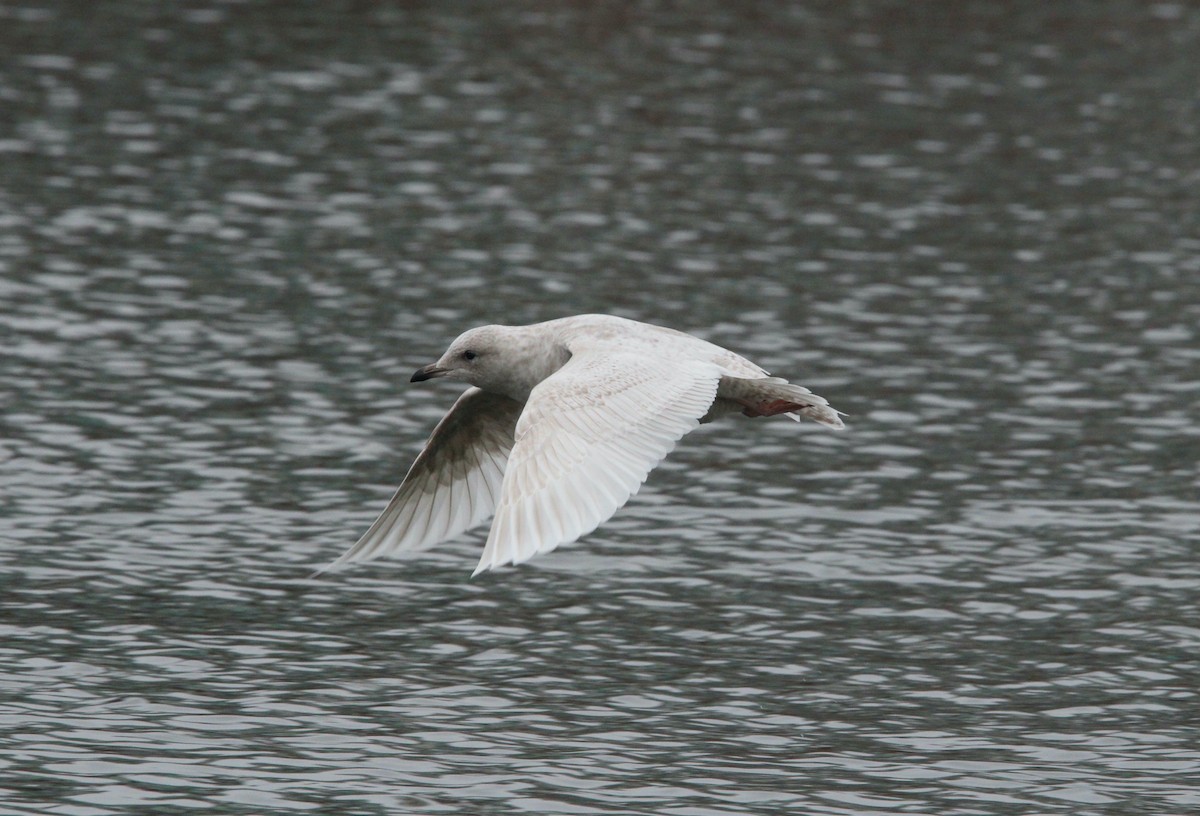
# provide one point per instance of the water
(228, 233)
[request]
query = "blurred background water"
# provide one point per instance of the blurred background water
(230, 230)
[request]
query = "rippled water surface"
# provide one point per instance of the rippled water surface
(229, 231)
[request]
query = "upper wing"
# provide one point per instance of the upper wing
(454, 482)
(588, 437)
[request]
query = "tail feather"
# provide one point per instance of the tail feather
(809, 405)
(769, 396)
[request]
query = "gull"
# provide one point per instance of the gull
(561, 424)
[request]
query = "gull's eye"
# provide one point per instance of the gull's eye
(469, 355)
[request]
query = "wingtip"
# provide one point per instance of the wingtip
(333, 566)
(482, 568)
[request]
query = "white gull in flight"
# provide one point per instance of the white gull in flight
(562, 423)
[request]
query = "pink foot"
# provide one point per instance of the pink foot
(779, 406)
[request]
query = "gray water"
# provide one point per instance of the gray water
(229, 231)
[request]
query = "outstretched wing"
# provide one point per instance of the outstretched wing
(454, 483)
(589, 436)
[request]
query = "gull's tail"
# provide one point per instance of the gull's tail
(768, 396)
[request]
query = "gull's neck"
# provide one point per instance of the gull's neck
(533, 353)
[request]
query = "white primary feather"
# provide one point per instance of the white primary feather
(589, 436)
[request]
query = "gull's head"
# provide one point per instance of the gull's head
(478, 357)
